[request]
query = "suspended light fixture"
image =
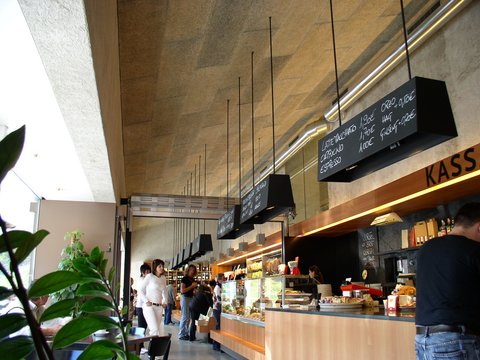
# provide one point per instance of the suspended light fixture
(229, 225)
(412, 118)
(273, 195)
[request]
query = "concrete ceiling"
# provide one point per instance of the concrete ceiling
(180, 62)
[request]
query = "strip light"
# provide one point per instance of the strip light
(395, 202)
(250, 254)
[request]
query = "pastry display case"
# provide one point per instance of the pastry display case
(264, 265)
(246, 300)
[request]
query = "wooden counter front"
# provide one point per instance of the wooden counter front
(300, 336)
(247, 340)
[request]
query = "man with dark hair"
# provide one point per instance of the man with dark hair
(448, 295)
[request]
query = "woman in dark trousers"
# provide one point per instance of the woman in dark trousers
(199, 305)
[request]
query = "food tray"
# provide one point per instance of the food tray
(341, 306)
(372, 291)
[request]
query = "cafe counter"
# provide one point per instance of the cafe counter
(369, 333)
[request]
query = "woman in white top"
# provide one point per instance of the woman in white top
(153, 289)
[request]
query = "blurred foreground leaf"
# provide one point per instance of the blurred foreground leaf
(16, 348)
(80, 328)
(10, 149)
(53, 282)
(61, 308)
(11, 323)
(27, 246)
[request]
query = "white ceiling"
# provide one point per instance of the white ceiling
(48, 84)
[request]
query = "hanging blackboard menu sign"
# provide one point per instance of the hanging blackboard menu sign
(414, 117)
(226, 223)
(368, 248)
(229, 226)
(268, 199)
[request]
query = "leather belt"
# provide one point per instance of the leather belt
(432, 329)
(155, 304)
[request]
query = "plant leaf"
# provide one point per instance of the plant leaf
(127, 328)
(16, 348)
(96, 256)
(5, 293)
(86, 269)
(97, 304)
(100, 350)
(132, 356)
(53, 282)
(16, 238)
(81, 327)
(103, 266)
(125, 310)
(10, 149)
(61, 308)
(11, 323)
(27, 246)
(92, 289)
(111, 274)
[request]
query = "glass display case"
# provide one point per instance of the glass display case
(264, 265)
(246, 300)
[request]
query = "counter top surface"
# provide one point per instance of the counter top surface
(364, 313)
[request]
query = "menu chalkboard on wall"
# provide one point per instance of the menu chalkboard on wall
(368, 248)
(226, 223)
(401, 123)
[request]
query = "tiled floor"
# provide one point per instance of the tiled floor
(199, 349)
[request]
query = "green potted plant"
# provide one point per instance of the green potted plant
(94, 286)
(74, 250)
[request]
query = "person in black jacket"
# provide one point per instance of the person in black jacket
(199, 305)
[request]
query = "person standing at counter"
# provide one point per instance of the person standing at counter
(199, 305)
(217, 307)
(187, 285)
(314, 273)
(153, 288)
(170, 305)
(448, 296)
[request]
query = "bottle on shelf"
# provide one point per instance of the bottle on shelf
(442, 230)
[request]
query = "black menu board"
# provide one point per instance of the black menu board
(412, 118)
(368, 248)
(381, 125)
(255, 201)
(226, 223)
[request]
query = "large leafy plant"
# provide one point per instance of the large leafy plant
(74, 250)
(94, 287)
